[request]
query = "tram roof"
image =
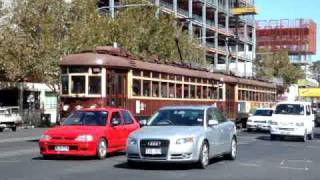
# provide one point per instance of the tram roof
(112, 60)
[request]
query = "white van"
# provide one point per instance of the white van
(292, 119)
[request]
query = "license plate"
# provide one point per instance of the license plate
(61, 148)
(153, 151)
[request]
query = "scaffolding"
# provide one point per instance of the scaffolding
(298, 36)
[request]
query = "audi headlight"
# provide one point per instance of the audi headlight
(185, 140)
(84, 138)
(132, 141)
(274, 123)
(45, 137)
(300, 124)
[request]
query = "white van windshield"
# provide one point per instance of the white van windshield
(291, 109)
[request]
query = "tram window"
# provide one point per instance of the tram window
(164, 89)
(155, 89)
(211, 93)
(199, 95)
(171, 90)
(164, 76)
(146, 88)
(78, 69)
(179, 90)
(64, 70)
(192, 91)
(220, 93)
(205, 92)
(65, 84)
(94, 85)
(136, 73)
(155, 75)
(192, 79)
(179, 78)
(146, 74)
(136, 87)
(186, 91)
(78, 84)
(172, 77)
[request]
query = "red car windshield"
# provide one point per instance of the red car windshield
(83, 118)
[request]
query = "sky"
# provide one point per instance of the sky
(291, 9)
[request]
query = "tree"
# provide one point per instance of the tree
(277, 65)
(143, 33)
(40, 32)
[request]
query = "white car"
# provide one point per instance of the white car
(9, 118)
(293, 119)
(260, 120)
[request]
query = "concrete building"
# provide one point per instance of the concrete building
(214, 24)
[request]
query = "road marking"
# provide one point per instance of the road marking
(249, 164)
(294, 168)
(304, 161)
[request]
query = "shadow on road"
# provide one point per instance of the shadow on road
(75, 158)
(287, 138)
(164, 166)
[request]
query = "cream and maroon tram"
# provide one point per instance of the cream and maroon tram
(108, 77)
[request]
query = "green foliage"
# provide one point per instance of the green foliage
(40, 32)
(277, 65)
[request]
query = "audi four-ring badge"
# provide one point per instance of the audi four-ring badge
(183, 134)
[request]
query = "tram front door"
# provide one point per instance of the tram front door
(116, 88)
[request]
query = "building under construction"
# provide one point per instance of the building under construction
(297, 36)
(228, 41)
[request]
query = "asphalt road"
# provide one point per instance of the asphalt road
(258, 158)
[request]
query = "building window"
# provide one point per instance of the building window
(136, 73)
(94, 85)
(155, 89)
(136, 87)
(164, 89)
(146, 74)
(64, 70)
(78, 84)
(146, 88)
(65, 84)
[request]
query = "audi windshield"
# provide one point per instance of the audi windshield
(177, 117)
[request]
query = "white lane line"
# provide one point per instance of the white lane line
(294, 168)
(302, 161)
(249, 164)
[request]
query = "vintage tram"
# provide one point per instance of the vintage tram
(109, 77)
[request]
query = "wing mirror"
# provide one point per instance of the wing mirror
(143, 122)
(213, 122)
(115, 122)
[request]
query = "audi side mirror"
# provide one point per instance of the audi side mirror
(213, 122)
(143, 122)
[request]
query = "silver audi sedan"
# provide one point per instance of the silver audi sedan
(184, 134)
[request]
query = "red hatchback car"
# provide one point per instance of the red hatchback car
(89, 132)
